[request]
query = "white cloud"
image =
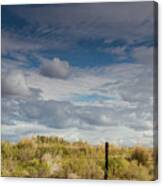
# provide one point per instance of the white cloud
(14, 83)
(55, 69)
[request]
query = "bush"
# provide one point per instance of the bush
(141, 155)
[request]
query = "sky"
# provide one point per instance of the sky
(78, 71)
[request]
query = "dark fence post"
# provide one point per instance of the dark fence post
(106, 160)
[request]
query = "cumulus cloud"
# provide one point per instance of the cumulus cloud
(56, 68)
(14, 84)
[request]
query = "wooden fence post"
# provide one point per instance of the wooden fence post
(106, 160)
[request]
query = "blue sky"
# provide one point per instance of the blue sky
(68, 63)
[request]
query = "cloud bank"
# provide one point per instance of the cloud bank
(111, 98)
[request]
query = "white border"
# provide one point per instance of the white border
(58, 182)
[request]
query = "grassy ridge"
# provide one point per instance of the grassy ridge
(56, 158)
